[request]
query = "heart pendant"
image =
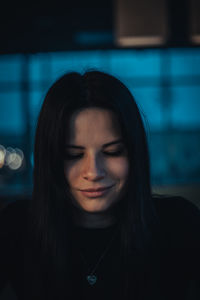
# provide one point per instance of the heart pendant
(91, 279)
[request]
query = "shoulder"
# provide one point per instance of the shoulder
(180, 219)
(176, 208)
(180, 225)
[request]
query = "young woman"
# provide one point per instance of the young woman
(92, 229)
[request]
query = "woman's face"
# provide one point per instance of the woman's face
(91, 164)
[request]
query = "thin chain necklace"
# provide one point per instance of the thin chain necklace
(92, 277)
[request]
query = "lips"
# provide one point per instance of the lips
(96, 190)
(96, 193)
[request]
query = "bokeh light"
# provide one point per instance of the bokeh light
(10, 157)
(2, 155)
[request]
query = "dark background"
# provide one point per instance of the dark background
(49, 26)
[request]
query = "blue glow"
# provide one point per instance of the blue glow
(185, 62)
(165, 84)
(133, 63)
(139, 70)
(12, 120)
(185, 112)
(148, 100)
(10, 67)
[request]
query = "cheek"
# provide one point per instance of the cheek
(71, 172)
(119, 168)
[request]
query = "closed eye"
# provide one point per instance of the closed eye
(114, 153)
(69, 156)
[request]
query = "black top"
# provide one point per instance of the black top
(171, 271)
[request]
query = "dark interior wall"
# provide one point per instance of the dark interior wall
(47, 27)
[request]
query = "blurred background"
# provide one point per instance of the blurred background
(153, 46)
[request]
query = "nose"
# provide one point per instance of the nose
(93, 169)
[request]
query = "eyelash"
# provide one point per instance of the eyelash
(116, 153)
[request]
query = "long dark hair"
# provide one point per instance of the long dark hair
(50, 213)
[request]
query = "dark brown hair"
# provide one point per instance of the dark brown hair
(49, 209)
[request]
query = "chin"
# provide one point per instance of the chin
(94, 209)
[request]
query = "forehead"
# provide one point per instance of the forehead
(93, 123)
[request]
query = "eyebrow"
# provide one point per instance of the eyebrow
(104, 145)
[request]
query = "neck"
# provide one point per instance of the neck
(92, 220)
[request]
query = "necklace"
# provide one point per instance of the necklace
(92, 277)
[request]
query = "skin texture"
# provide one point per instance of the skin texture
(91, 128)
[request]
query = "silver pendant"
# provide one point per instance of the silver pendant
(91, 279)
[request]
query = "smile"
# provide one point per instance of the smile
(96, 194)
